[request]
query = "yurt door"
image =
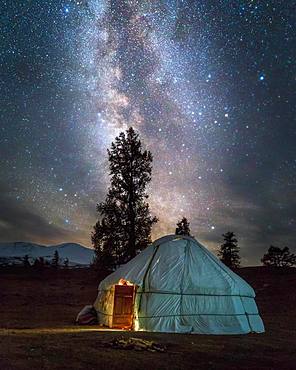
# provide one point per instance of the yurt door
(123, 306)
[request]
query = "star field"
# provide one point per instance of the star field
(210, 86)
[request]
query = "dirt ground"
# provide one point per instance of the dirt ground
(38, 309)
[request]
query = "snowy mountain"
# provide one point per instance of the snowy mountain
(76, 253)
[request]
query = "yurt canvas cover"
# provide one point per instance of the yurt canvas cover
(181, 287)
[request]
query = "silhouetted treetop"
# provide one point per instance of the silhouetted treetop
(183, 227)
(229, 251)
(278, 257)
(56, 259)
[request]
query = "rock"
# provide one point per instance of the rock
(136, 344)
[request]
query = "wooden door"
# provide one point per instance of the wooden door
(123, 306)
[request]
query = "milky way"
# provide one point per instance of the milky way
(209, 85)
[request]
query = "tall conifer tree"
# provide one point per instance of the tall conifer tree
(55, 259)
(229, 251)
(183, 227)
(125, 222)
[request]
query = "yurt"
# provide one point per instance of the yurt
(176, 285)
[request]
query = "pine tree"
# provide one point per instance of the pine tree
(56, 259)
(26, 261)
(183, 227)
(125, 222)
(229, 251)
(278, 257)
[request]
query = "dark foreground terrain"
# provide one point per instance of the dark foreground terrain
(37, 311)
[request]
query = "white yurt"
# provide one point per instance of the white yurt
(177, 285)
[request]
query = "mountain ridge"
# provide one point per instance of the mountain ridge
(77, 254)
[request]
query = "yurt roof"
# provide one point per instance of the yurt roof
(179, 264)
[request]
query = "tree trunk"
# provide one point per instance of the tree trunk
(132, 231)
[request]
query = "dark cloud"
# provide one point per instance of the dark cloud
(258, 220)
(18, 223)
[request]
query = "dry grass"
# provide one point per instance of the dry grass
(37, 330)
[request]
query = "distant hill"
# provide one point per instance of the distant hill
(14, 252)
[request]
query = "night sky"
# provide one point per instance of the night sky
(209, 85)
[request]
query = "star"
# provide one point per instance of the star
(66, 9)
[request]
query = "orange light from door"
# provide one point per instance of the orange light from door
(124, 282)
